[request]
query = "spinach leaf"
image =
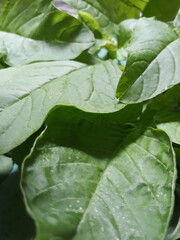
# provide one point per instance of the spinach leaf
(93, 185)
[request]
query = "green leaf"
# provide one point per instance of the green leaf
(28, 93)
(36, 30)
(163, 10)
(125, 30)
(152, 65)
(92, 23)
(171, 125)
(110, 12)
(127, 116)
(93, 186)
(17, 50)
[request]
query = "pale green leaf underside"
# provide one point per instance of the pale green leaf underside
(36, 31)
(28, 93)
(110, 12)
(17, 50)
(153, 63)
(124, 193)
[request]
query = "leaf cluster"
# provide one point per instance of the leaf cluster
(89, 120)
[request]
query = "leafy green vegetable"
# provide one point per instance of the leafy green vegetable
(87, 180)
(17, 50)
(30, 96)
(154, 50)
(37, 31)
(89, 120)
(109, 13)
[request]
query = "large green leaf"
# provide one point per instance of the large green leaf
(163, 10)
(152, 65)
(110, 12)
(80, 182)
(28, 93)
(35, 30)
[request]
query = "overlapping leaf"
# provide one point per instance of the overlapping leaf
(36, 31)
(153, 62)
(28, 93)
(109, 13)
(94, 187)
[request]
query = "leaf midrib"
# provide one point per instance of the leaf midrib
(150, 63)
